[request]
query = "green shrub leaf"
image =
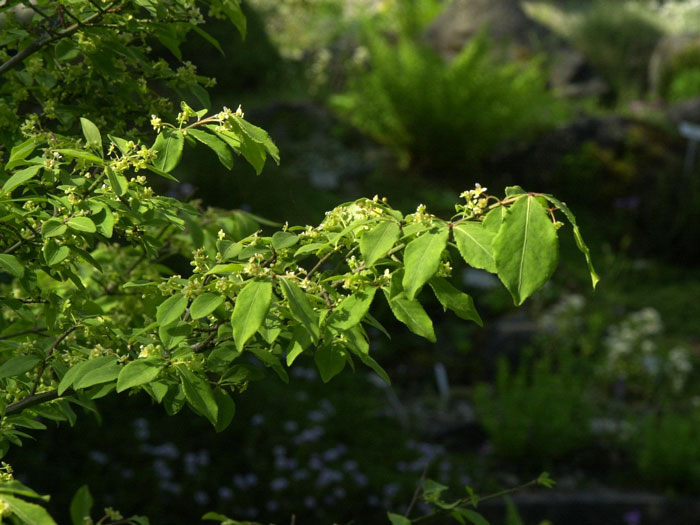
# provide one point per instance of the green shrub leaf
(422, 259)
(252, 304)
(205, 304)
(525, 248)
(375, 243)
(139, 372)
(474, 245)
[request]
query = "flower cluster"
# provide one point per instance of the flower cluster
(476, 201)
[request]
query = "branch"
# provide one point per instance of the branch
(37, 45)
(23, 332)
(32, 400)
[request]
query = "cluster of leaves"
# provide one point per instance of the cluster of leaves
(89, 303)
(83, 316)
(74, 59)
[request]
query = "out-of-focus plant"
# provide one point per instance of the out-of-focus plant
(539, 412)
(445, 115)
(665, 448)
(618, 39)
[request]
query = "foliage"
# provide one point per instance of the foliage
(539, 413)
(446, 115)
(91, 303)
(618, 40)
(665, 449)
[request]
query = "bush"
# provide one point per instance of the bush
(446, 115)
(539, 413)
(666, 449)
(618, 40)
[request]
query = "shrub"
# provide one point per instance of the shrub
(619, 41)
(538, 413)
(446, 115)
(666, 449)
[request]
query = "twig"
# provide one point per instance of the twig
(57, 342)
(416, 493)
(23, 332)
(32, 400)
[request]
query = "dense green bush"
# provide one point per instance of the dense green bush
(446, 115)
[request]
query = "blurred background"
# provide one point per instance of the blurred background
(417, 100)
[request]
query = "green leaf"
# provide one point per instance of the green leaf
(20, 177)
(351, 310)
(80, 506)
(18, 365)
(81, 224)
(168, 145)
(214, 143)
(91, 134)
(474, 245)
(20, 152)
(232, 9)
(577, 236)
(96, 371)
(252, 304)
(512, 191)
(198, 394)
(206, 36)
(330, 361)
(422, 259)
(174, 333)
(226, 410)
(80, 155)
(19, 488)
(55, 253)
(53, 228)
(272, 361)
(453, 299)
(139, 372)
(205, 304)
(411, 313)
(397, 519)
(171, 309)
(282, 240)
(375, 243)
(371, 363)
(10, 264)
(432, 490)
(493, 219)
(301, 308)
(301, 340)
(69, 377)
(472, 516)
(117, 181)
(270, 329)
(525, 249)
(66, 49)
(28, 513)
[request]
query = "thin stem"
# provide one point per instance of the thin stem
(57, 342)
(468, 501)
(416, 492)
(23, 332)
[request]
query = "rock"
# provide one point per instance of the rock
(517, 36)
(667, 56)
(503, 20)
(685, 110)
